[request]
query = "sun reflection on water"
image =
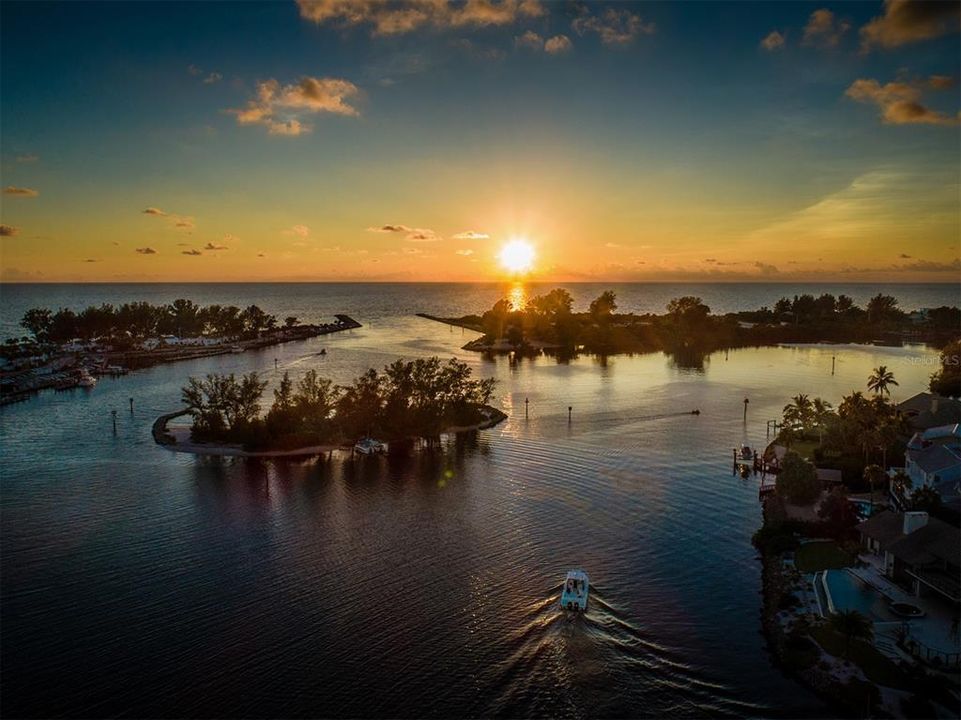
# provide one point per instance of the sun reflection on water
(517, 296)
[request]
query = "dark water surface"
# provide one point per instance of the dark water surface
(136, 581)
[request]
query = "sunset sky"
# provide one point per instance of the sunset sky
(412, 141)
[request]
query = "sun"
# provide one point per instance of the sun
(517, 256)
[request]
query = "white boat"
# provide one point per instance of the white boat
(575, 591)
(86, 379)
(369, 446)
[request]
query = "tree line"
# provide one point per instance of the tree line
(182, 317)
(417, 398)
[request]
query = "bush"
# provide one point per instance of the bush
(797, 482)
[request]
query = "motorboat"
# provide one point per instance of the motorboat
(369, 446)
(86, 379)
(575, 591)
(906, 610)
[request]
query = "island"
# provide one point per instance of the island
(66, 349)
(688, 331)
(409, 401)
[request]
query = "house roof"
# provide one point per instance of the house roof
(918, 408)
(942, 431)
(935, 541)
(885, 527)
(935, 458)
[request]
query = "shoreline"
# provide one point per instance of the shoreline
(170, 440)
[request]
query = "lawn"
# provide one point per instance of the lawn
(815, 556)
(876, 666)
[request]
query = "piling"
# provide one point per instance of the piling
(569, 409)
(526, 407)
(131, 406)
(746, 401)
(113, 414)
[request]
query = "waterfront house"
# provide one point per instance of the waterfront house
(927, 410)
(919, 552)
(933, 459)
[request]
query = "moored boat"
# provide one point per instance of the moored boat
(369, 446)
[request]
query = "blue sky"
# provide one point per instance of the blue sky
(775, 140)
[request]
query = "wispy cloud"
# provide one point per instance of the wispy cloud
(411, 234)
(470, 235)
(773, 41)
(824, 30)
(557, 45)
(403, 16)
(909, 21)
(191, 252)
(20, 192)
(280, 108)
(613, 26)
(154, 211)
(899, 102)
(28, 158)
(465, 253)
(146, 251)
(9, 231)
(301, 231)
(209, 78)
(213, 246)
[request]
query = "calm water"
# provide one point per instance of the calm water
(140, 582)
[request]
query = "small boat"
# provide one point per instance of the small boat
(236, 349)
(575, 591)
(369, 446)
(86, 379)
(906, 610)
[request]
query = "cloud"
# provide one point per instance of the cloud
(773, 41)
(465, 253)
(212, 246)
(184, 223)
(924, 266)
(412, 234)
(191, 252)
(194, 70)
(557, 45)
(766, 269)
(20, 191)
(941, 82)
(279, 108)
(470, 235)
(824, 30)
(422, 235)
(261, 255)
(908, 21)
(90, 260)
(403, 16)
(9, 231)
(614, 27)
(212, 78)
(389, 229)
(530, 40)
(146, 251)
(299, 230)
(899, 102)
(903, 256)
(154, 211)
(27, 158)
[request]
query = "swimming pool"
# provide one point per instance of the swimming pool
(848, 592)
(864, 508)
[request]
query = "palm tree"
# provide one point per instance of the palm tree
(853, 626)
(798, 413)
(821, 411)
(873, 474)
(880, 380)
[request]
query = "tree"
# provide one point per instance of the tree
(844, 304)
(874, 475)
(880, 380)
(603, 306)
(926, 499)
(797, 481)
(494, 321)
(782, 307)
(822, 413)
(688, 308)
(799, 413)
(38, 321)
(947, 380)
(314, 401)
(882, 307)
(290, 321)
(837, 513)
(853, 626)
